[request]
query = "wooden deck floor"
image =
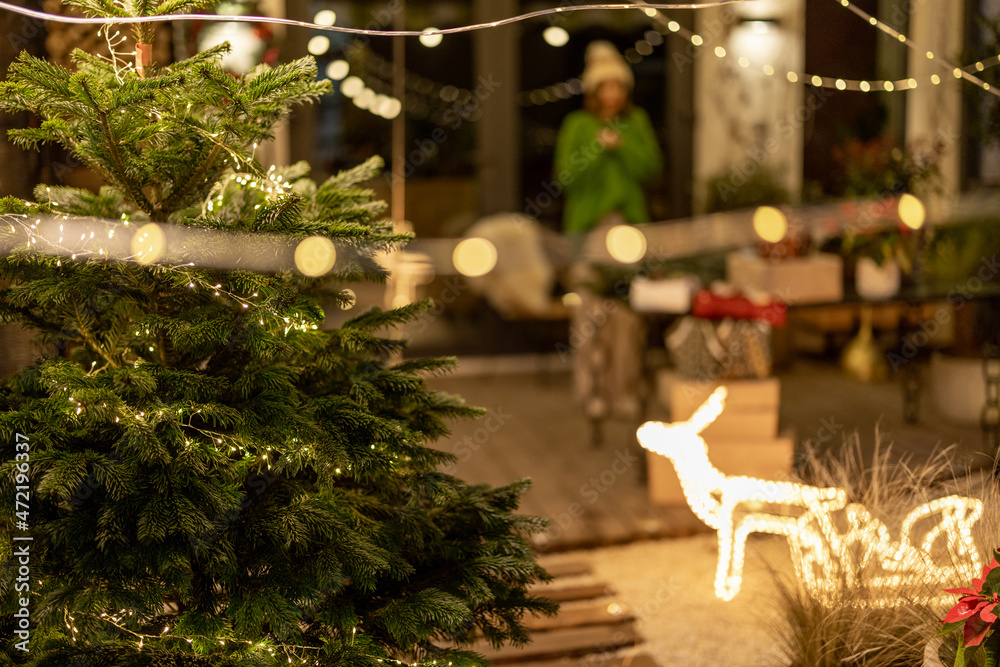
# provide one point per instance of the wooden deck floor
(597, 495)
(591, 495)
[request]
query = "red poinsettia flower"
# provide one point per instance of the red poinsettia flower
(978, 583)
(976, 608)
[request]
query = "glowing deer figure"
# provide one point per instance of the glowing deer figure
(806, 516)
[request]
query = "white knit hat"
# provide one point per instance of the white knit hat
(603, 62)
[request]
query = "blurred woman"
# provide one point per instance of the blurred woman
(605, 154)
(606, 151)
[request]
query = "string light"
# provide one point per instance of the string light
(822, 552)
(298, 652)
(960, 72)
(37, 231)
(546, 94)
(371, 32)
(650, 9)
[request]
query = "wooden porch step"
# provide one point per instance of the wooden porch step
(566, 642)
(570, 593)
(641, 660)
(573, 568)
(600, 612)
(589, 629)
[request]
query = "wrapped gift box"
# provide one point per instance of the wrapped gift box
(669, 295)
(817, 278)
(743, 440)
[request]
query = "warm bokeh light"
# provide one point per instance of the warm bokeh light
(351, 86)
(365, 98)
(555, 35)
(350, 298)
(912, 212)
(338, 69)
(391, 108)
(474, 257)
(625, 243)
(430, 40)
(325, 17)
(315, 256)
(770, 224)
(318, 45)
(571, 300)
(148, 243)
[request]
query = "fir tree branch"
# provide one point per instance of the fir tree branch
(88, 339)
(180, 194)
(137, 194)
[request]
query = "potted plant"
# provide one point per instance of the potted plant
(880, 259)
(960, 263)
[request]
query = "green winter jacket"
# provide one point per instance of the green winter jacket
(599, 181)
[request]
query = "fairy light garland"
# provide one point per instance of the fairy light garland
(567, 89)
(956, 71)
(370, 32)
(557, 92)
(114, 41)
(37, 236)
(290, 651)
(809, 517)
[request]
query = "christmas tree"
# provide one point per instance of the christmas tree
(199, 473)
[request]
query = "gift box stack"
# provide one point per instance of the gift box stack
(726, 341)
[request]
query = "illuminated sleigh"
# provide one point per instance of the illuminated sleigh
(831, 542)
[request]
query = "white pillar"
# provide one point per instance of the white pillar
(748, 116)
(934, 112)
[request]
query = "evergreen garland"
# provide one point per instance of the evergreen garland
(216, 479)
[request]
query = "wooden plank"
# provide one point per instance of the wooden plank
(532, 422)
(590, 613)
(565, 642)
(572, 568)
(641, 660)
(546, 438)
(570, 593)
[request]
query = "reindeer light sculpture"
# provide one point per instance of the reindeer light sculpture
(829, 539)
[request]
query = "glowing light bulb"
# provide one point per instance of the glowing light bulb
(430, 39)
(338, 69)
(325, 17)
(911, 211)
(315, 256)
(148, 243)
(318, 45)
(474, 257)
(351, 86)
(555, 35)
(770, 224)
(625, 243)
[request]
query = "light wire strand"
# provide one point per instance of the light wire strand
(101, 20)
